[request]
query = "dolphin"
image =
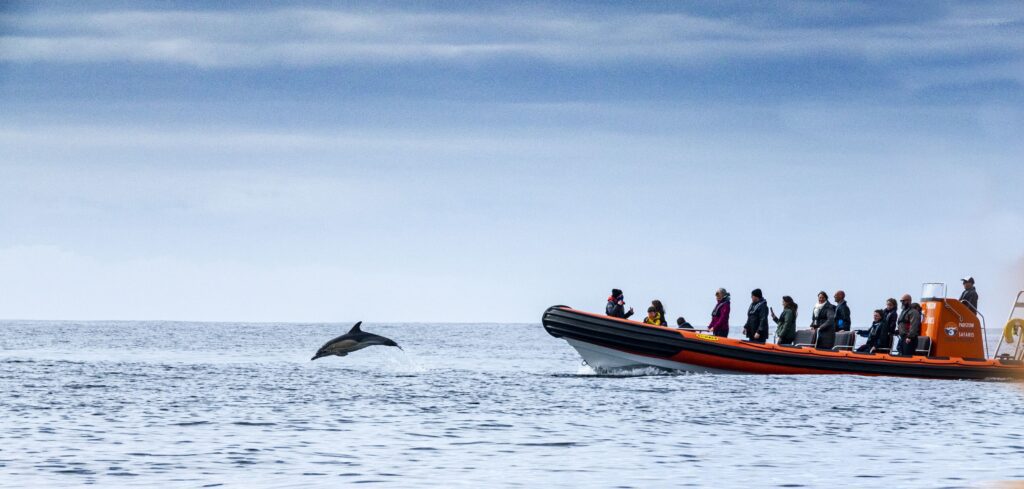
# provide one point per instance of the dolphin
(349, 342)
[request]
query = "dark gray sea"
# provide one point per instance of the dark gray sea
(484, 405)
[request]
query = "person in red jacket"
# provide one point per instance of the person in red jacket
(720, 315)
(616, 306)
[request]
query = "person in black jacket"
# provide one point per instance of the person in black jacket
(889, 316)
(616, 306)
(874, 334)
(682, 323)
(756, 329)
(970, 295)
(842, 312)
(823, 322)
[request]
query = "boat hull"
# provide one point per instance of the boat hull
(603, 359)
(607, 343)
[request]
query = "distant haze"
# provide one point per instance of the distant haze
(410, 162)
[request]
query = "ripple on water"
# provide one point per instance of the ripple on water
(243, 403)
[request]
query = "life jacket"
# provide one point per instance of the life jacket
(657, 321)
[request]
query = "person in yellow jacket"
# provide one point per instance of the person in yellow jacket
(654, 317)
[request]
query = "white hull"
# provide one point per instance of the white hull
(603, 359)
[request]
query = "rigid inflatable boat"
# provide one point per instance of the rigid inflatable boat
(952, 346)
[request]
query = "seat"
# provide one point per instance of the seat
(924, 346)
(845, 341)
(804, 337)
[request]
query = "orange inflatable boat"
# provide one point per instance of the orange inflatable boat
(952, 346)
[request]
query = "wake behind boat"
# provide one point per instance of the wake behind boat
(952, 346)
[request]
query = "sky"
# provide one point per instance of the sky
(479, 162)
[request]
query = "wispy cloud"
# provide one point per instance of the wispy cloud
(304, 37)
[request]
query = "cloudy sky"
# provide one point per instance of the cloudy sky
(443, 162)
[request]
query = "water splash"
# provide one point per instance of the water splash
(403, 361)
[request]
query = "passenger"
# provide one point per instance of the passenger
(823, 322)
(909, 324)
(970, 296)
(842, 312)
(889, 315)
(656, 304)
(653, 316)
(756, 328)
(875, 334)
(616, 305)
(681, 323)
(785, 334)
(720, 314)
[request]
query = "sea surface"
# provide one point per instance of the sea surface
(469, 405)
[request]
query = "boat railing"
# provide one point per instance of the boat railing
(984, 330)
(1018, 351)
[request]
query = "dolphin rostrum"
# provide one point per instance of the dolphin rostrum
(349, 342)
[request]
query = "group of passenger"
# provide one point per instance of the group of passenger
(889, 323)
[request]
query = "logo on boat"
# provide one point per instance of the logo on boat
(708, 337)
(951, 331)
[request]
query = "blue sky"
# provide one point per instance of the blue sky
(479, 162)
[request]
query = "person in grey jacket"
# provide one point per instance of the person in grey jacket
(970, 295)
(909, 324)
(842, 312)
(756, 329)
(823, 322)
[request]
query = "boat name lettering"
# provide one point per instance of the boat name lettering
(708, 337)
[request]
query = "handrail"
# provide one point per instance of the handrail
(958, 315)
(1018, 354)
(984, 331)
(999, 346)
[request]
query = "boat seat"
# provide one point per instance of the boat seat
(844, 340)
(924, 346)
(804, 337)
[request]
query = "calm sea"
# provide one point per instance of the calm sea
(489, 405)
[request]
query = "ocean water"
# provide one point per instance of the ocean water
(487, 405)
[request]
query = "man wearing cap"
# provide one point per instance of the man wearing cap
(970, 296)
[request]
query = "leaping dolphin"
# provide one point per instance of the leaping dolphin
(349, 342)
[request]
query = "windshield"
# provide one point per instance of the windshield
(933, 291)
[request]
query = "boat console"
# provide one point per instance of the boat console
(953, 329)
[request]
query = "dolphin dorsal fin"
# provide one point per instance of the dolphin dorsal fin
(355, 329)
